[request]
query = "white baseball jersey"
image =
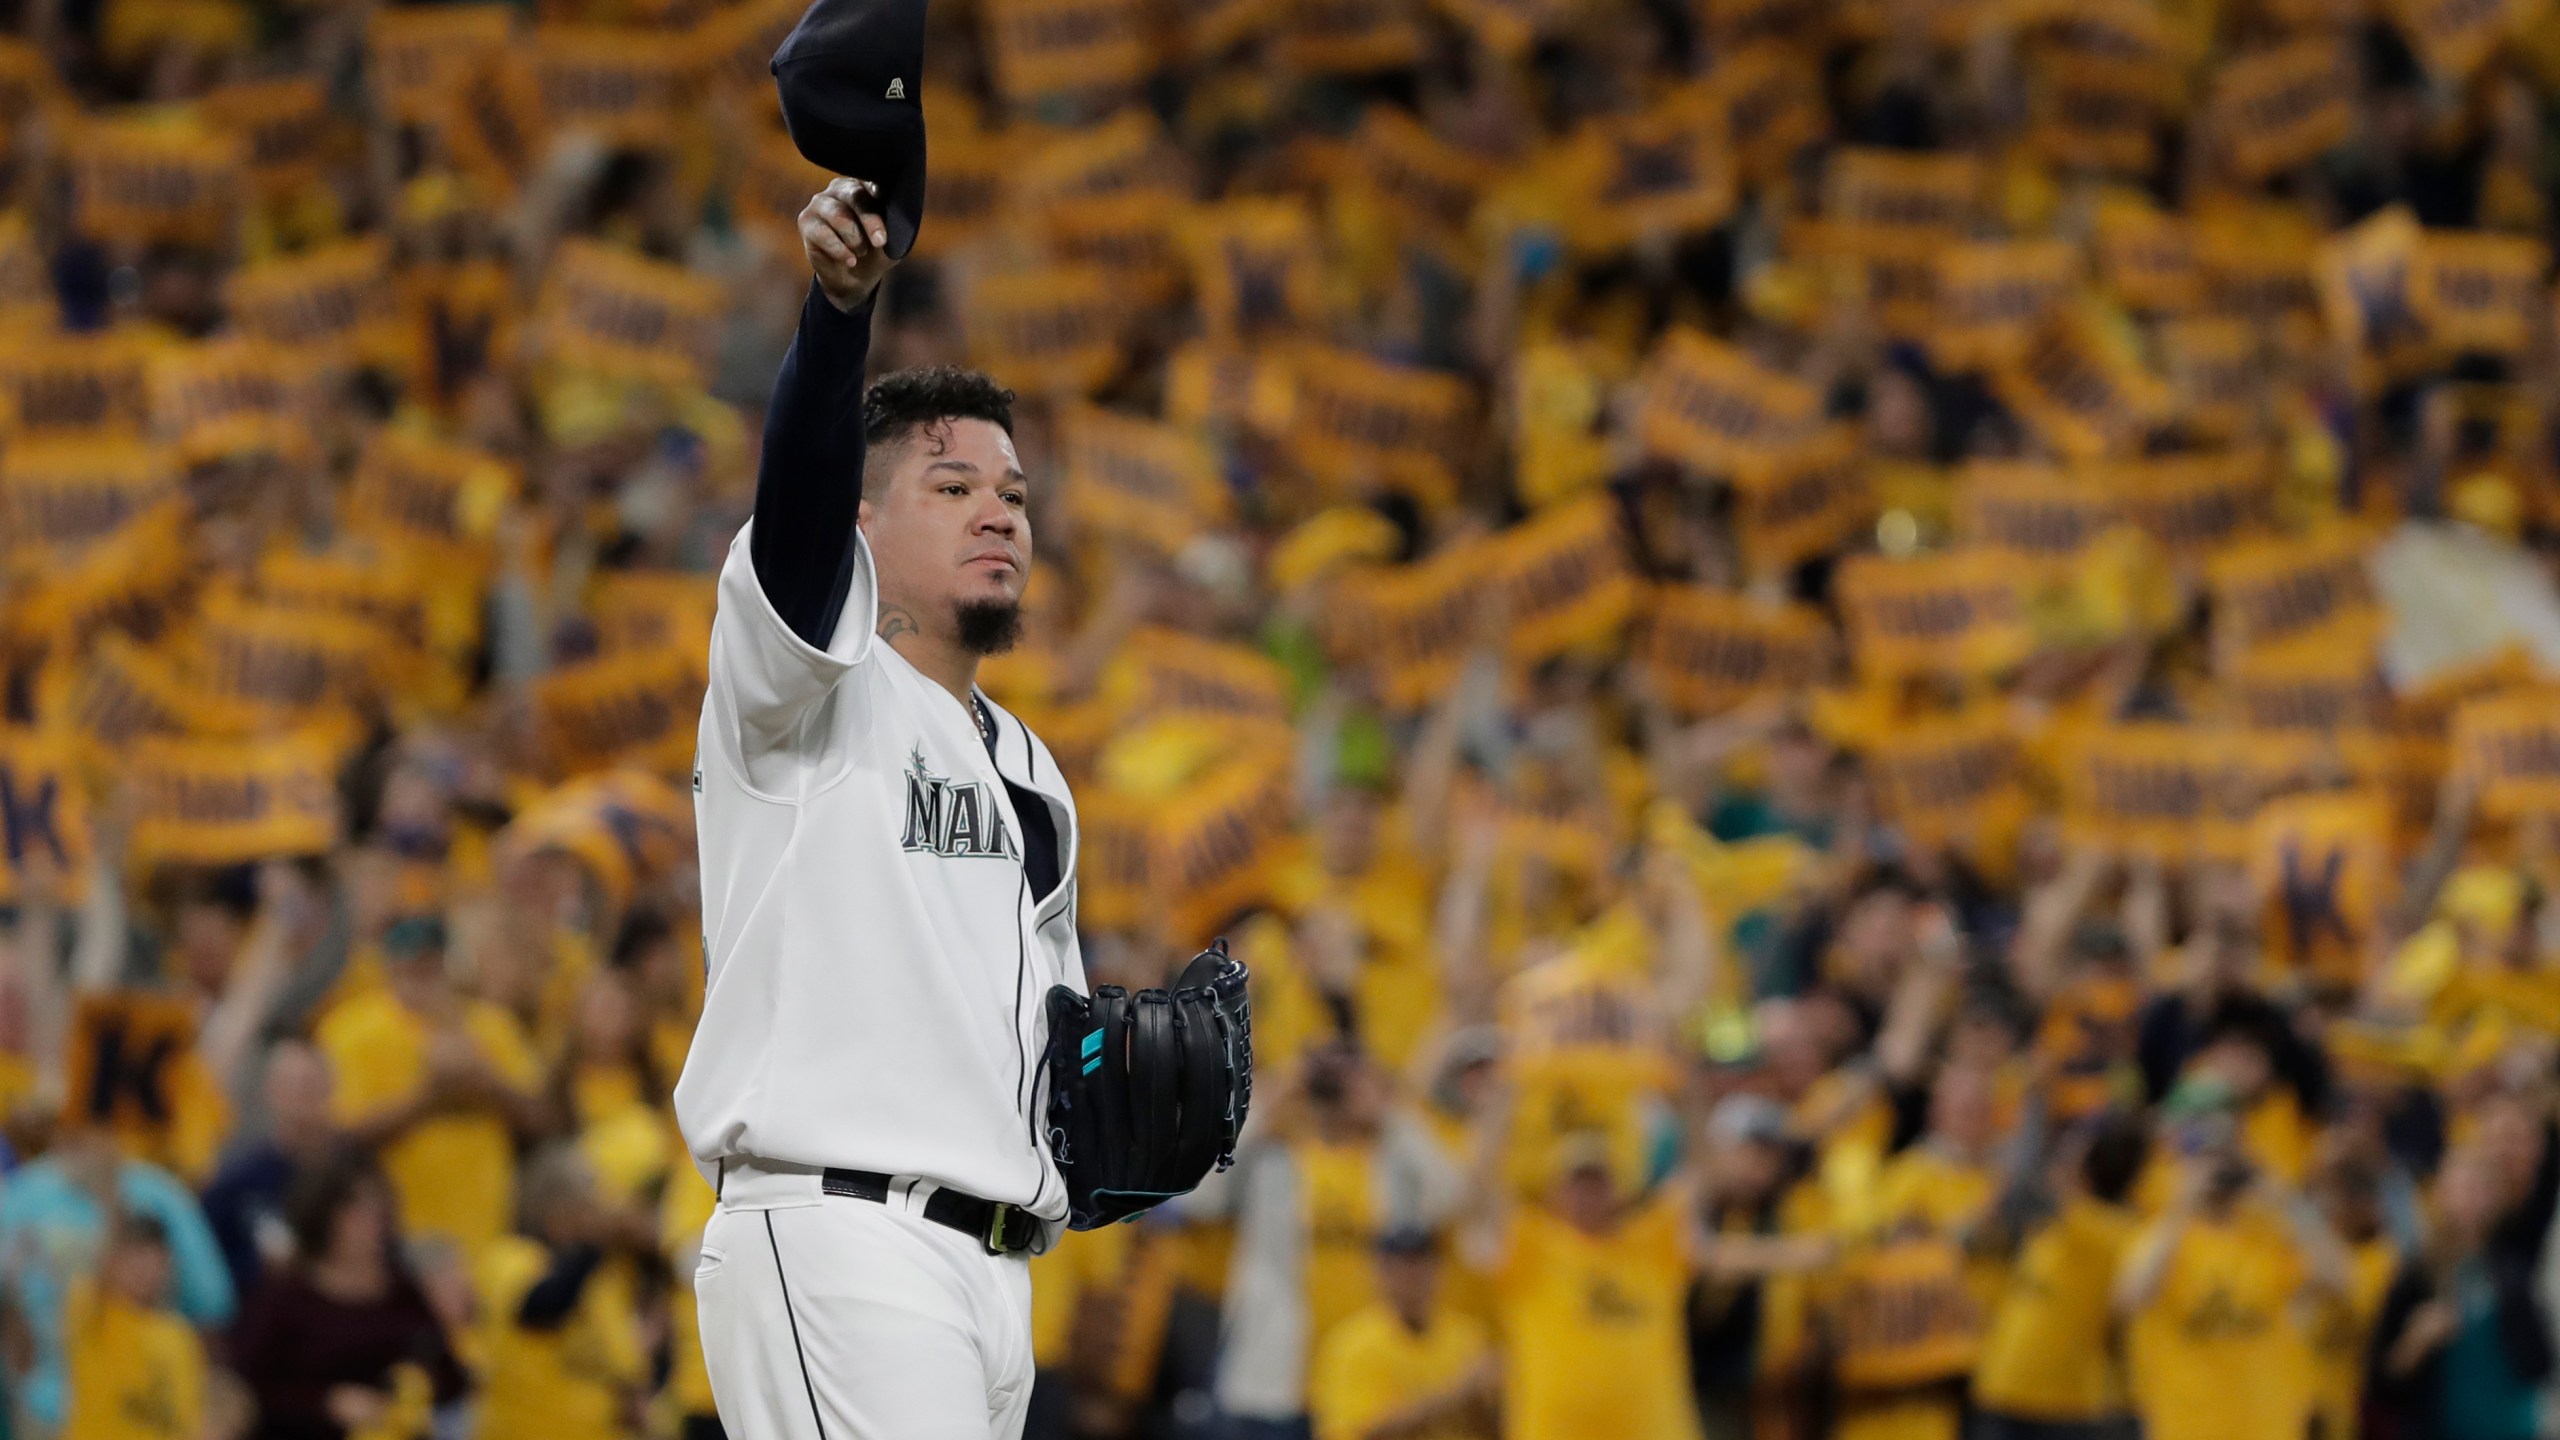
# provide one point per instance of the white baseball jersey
(877, 966)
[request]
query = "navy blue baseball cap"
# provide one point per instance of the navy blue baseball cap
(851, 75)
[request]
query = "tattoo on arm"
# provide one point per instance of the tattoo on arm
(896, 621)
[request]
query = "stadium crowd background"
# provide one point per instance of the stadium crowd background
(1876, 686)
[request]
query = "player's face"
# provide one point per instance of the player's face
(950, 523)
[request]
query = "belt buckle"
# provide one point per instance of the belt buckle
(996, 1228)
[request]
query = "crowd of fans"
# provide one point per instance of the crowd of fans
(1874, 683)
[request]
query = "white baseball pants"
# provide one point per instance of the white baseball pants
(827, 1317)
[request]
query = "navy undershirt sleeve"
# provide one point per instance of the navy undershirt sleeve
(809, 481)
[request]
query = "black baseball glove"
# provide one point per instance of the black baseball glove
(1148, 1091)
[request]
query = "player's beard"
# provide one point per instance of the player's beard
(989, 627)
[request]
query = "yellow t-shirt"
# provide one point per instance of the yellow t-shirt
(1082, 1262)
(1597, 1344)
(1337, 1196)
(135, 1374)
(1903, 1316)
(1372, 1366)
(682, 1213)
(454, 1174)
(2341, 1329)
(2219, 1353)
(562, 1384)
(2047, 1355)
(1399, 984)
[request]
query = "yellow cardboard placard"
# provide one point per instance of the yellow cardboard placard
(2325, 681)
(1167, 672)
(2285, 106)
(132, 578)
(2217, 367)
(638, 709)
(1127, 153)
(624, 87)
(2258, 259)
(335, 303)
(1129, 238)
(617, 313)
(1113, 889)
(424, 490)
(232, 397)
(2080, 393)
(119, 691)
(282, 125)
(1705, 651)
(1359, 422)
(2325, 862)
(1709, 406)
(2147, 256)
(74, 385)
(139, 181)
(968, 182)
(1154, 483)
(223, 802)
(256, 666)
(1349, 37)
(422, 53)
(2475, 290)
(1773, 105)
(1903, 191)
(1993, 295)
(2280, 587)
(1211, 851)
(131, 1069)
(61, 494)
(1044, 48)
(1565, 579)
(1663, 172)
(1803, 502)
(43, 812)
(2094, 112)
(2197, 503)
(1958, 612)
(2033, 510)
(736, 44)
(1432, 185)
(2509, 744)
(1951, 778)
(648, 610)
(1052, 331)
(1225, 385)
(1408, 626)
(370, 585)
(1254, 266)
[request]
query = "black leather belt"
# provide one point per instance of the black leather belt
(1004, 1228)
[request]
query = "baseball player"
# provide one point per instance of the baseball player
(899, 1086)
(888, 866)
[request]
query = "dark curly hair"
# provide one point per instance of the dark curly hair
(904, 402)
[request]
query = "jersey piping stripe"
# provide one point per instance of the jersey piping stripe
(1022, 1086)
(784, 1281)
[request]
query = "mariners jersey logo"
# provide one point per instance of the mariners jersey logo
(952, 818)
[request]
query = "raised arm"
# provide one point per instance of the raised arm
(808, 486)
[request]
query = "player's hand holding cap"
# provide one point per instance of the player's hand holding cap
(851, 75)
(847, 241)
